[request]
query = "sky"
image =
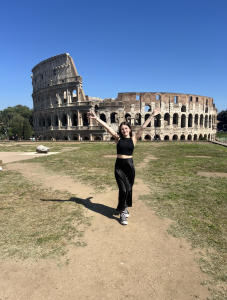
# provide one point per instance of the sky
(177, 46)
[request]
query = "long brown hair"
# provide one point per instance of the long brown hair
(119, 129)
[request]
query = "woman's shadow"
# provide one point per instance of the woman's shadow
(98, 208)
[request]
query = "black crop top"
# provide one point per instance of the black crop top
(125, 146)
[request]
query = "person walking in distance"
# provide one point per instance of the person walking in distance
(124, 167)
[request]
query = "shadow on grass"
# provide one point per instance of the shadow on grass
(98, 208)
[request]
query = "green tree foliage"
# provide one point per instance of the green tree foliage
(19, 120)
(222, 117)
(26, 129)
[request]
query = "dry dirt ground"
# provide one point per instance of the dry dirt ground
(137, 261)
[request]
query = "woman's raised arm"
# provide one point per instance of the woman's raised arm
(92, 115)
(140, 131)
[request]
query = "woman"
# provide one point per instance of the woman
(124, 167)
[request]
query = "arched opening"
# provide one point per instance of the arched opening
(175, 137)
(208, 136)
(112, 138)
(190, 98)
(147, 137)
(64, 120)
(75, 123)
(113, 117)
(190, 120)
(55, 120)
(166, 119)
(195, 137)
(182, 137)
(205, 136)
(176, 99)
(85, 120)
(157, 137)
(65, 138)
(201, 120)
(175, 119)
(103, 117)
(206, 110)
(200, 137)
(75, 138)
(43, 122)
(157, 121)
(48, 121)
(57, 138)
(96, 108)
(183, 108)
(74, 96)
(97, 138)
(206, 121)
(146, 117)
(128, 118)
(166, 138)
(147, 108)
(189, 137)
(86, 138)
(183, 121)
(158, 97)
(209, 121)
(138, 119)
(196, 119)
(40, 122)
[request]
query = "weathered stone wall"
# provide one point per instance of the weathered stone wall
(60, 108)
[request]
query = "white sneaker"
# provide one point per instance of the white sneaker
(123, 220)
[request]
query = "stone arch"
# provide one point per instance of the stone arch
(175, 119)
(195, 137)
(175, 137)
(113, 116)
(157, 137)
(74, 120)
(209, 121)
(201, 120)
(64, 120)
(147, 107)
(157, 121)
(86, 138)
(200, 137)
(55, 120)
(85, 120)
(128, 118)
(182, 137)
(75, 138)
(147, 137)
(189, 137)
(166, 138)
(97, 138)
(190, 120)
(183, 121)
(196, 119)
(146, 117)
(103, 117)
(166, 119)
(138, 119)
(206, 121)
(96, 108)
(205, 136)
(183, 108)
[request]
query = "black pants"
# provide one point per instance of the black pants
(125, 175)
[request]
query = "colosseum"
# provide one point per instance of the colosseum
(60, 108)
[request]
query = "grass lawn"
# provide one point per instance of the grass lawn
(197, 204)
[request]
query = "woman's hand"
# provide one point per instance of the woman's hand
(156, 111)
(91, 115)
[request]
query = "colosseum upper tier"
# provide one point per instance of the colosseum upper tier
(60, 108)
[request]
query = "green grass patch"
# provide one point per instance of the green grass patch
(37, 223)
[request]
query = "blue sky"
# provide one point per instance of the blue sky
(117, 46)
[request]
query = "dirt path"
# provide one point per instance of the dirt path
(137, 261)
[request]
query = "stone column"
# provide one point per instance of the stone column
(78, 118)
(51, 120)
(59, 120)
(91, 138)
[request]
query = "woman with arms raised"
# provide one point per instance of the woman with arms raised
(124, 167)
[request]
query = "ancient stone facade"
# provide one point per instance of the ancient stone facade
(60, 108)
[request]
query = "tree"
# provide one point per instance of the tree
(27, 131)
(222, 117)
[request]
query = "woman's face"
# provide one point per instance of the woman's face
(125, 130)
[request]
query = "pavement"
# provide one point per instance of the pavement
(8, 157)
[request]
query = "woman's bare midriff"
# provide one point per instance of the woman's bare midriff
(123, 156)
